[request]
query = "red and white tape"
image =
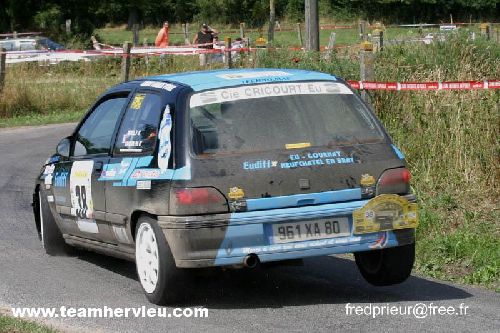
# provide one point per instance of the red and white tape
(411, 86)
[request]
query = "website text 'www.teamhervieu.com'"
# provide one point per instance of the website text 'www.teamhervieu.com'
(110, 312)
(418, 310)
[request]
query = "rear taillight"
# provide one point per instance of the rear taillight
(396, 181)
(197, 200)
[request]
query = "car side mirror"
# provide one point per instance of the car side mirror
(63, 147)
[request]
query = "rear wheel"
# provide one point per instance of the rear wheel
(386, 267)
(52, 239)
(159, 276)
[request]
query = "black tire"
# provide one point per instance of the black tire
(386, 267)
(51, 237)
(171, 280)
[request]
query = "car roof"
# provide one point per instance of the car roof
(202, 80)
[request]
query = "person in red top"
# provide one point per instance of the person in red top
(162, 38)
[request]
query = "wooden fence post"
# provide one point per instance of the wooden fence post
(378, 39)
(227, 50)
(242, 30)
(489, 32)
(185, 31)
(362, 30)
(247, 44)
(126, 61)
(146, 57)
(68, 26)
(331, 45)
(299, 34)
(3, 57)
(366, 61)
(135, 31)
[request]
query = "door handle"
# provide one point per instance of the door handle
(98, 166)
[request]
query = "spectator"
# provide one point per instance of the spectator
(205, 36)
(162, 37)
(237, 49)
(217, 56)
(205, 39)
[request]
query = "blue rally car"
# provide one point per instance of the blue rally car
(229, 168)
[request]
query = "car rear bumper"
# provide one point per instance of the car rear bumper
(226, 239)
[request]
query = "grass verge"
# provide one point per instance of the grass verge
(42, 119)
(451, 144)
(15, 325)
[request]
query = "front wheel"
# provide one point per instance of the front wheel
(159, 276)
(386, 267)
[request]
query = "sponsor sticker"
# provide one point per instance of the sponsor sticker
(137, 102)
(301, 160)
(252, 75)
(159, 85)
(268, 90)
(48, 179)
(236, 193)
(367, 180)
(297, 145)
(145, 173)
(143, 184)
(108, 173)
(367, 183)
(81, 195)
(49, 169)
(385, 212)
(165, 146)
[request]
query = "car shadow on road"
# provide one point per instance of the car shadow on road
(325, 280)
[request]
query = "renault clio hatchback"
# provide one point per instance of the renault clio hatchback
(229, 168)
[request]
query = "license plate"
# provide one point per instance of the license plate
(385, 212)
(310, 230)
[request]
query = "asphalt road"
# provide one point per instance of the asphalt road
(308, 298)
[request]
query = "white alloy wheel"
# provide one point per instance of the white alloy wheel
(146, 257)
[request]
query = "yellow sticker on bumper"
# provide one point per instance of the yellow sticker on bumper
(385, 212)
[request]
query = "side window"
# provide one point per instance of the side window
(139, 128)
(8, 46)
(27, 45)
(94, 136)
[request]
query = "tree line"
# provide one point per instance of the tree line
(50, 15)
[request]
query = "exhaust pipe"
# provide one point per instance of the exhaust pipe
(251, 261)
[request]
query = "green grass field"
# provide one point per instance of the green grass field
(450, 138)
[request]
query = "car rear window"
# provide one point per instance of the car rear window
(279, 116)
